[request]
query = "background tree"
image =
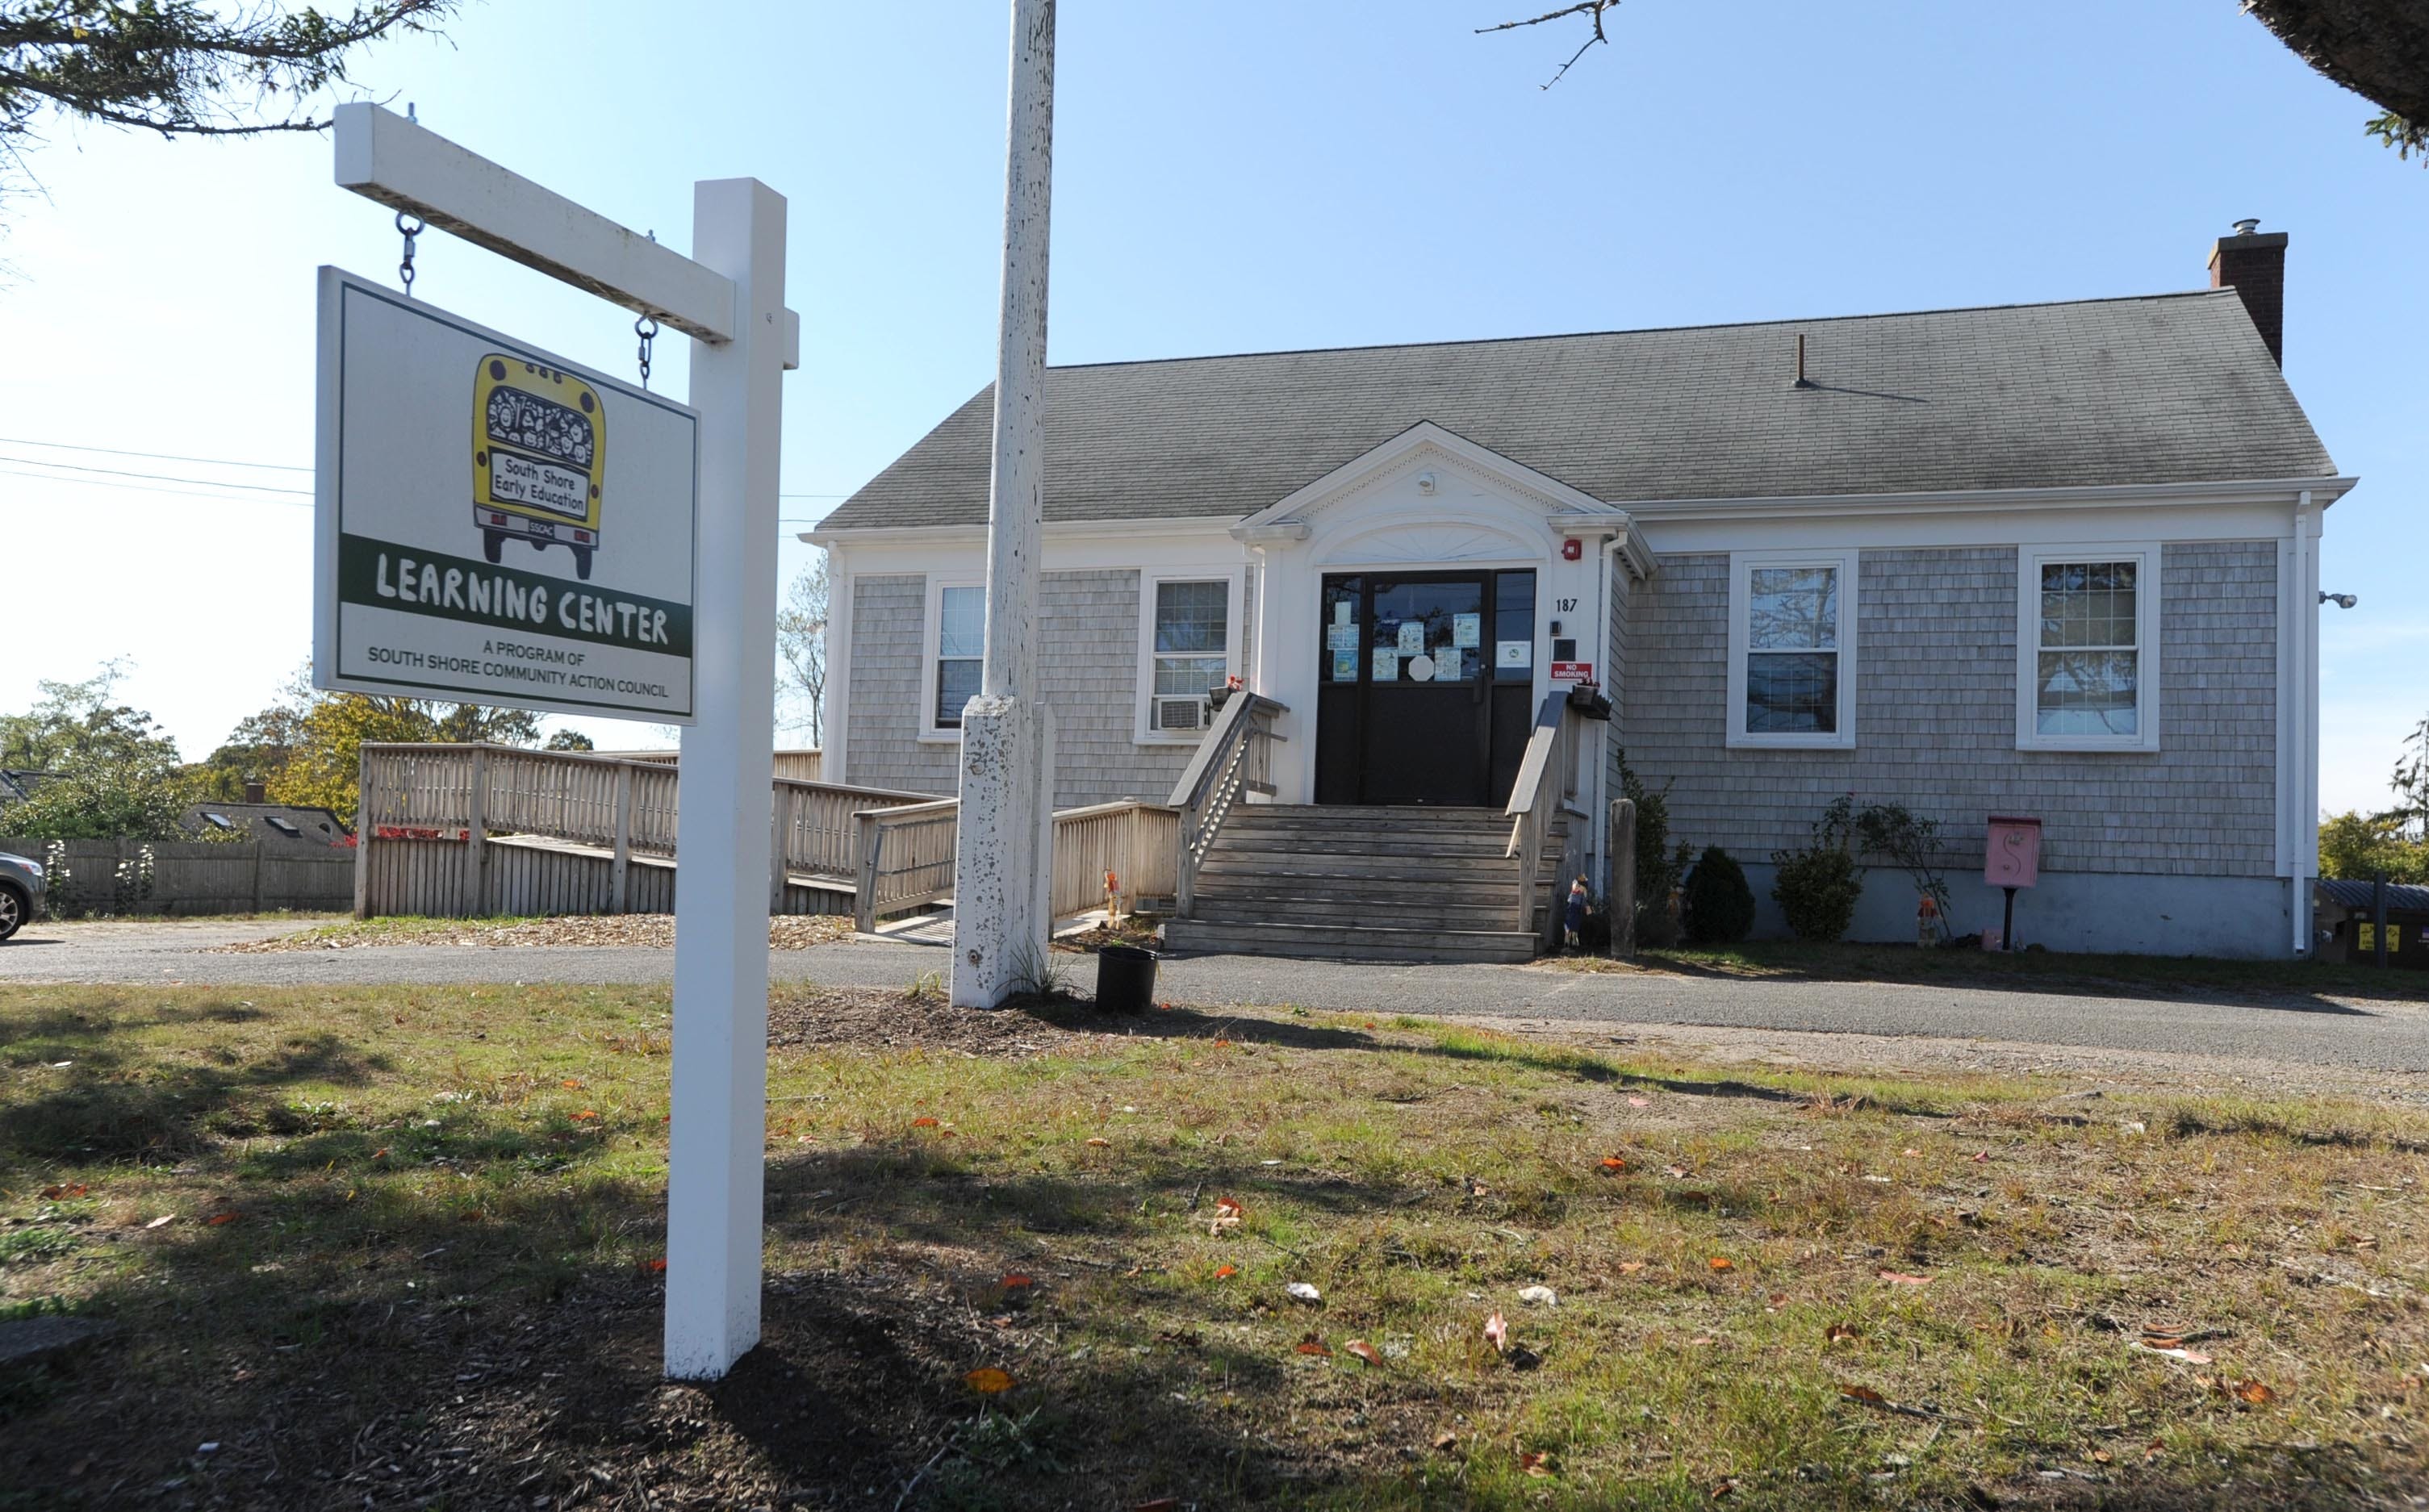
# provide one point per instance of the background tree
(183, 67)
(2358, 847)
(109, 771)
(569, 740)
(2411, 783)
(801, 648)
(2379, 49)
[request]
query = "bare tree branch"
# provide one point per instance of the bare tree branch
(1589, 8)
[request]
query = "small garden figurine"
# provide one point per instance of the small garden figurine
(1577, 915)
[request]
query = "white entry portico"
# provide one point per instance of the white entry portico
(1429, 505)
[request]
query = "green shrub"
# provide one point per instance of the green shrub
(1719, 904)
(1817, 886)
(1656, 870)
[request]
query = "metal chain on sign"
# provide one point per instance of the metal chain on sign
(646, 329)
(411, 226)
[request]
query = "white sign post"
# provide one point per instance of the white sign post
(730, 298)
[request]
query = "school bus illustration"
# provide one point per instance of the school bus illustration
(538, 458)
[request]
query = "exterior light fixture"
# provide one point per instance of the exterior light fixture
(2343, 600)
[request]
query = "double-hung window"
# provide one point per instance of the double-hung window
(1187, 644)
(1792, 649)
(2087, 638)
(961, 650)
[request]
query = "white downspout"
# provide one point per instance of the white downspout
(2307, 710)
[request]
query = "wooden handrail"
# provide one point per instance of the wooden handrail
(1547, 781)
(1232, 761)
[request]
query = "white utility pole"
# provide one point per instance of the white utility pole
(1004, 845)
(718, 1130)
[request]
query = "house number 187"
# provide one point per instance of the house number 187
(1567, 606)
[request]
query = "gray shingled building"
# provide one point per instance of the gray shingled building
(2057, 560)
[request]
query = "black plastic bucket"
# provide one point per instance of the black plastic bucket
(1125, 978)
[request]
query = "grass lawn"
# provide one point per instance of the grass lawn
(2026, 970)
(395, 1247)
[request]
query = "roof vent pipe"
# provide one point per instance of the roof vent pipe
(1802, 382)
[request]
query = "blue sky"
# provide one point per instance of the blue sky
(1229, 179)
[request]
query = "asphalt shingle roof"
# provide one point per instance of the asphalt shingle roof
(2354, 895)
(2161, 388)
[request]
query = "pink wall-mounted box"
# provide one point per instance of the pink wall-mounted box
(2012, 858)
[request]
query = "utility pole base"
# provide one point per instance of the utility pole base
(1005, 851)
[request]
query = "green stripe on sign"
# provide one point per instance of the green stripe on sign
(383, 575)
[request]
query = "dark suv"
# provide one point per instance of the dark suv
(21, 892)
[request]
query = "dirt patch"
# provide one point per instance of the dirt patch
(1146, 935)
(652, 931)
(888, 1018)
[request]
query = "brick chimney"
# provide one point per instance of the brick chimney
(2253, 263)
(255, 792)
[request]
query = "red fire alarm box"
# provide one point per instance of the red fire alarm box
(1573, 550)
(2013, 856)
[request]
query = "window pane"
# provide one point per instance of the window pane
(1792, 608)
(961, 629)
(1180, 676)
(2088, 604)
(957, 683)
(2087, 693)
(1792, 694)
(1191, 616)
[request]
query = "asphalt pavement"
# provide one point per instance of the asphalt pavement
(2355, 1035)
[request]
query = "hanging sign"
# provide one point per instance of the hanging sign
(494, 524)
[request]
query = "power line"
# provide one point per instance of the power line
(157, 477)
(156, 456)
(145, 488)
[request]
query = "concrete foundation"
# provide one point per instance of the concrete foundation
(2246, 917)
(1002, 869)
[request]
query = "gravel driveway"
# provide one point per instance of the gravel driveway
(2376, 1036)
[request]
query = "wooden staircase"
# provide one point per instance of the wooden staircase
(1384, 884)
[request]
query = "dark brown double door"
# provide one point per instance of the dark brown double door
(1424, 686)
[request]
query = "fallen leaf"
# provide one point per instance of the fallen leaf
(2102, 1456)
(2255, 1393)
(380, 1154)
(1221, 1045)
(1778, 1299)
(1476, 1188)
(987, 1380)
(1100, 1145)
(1639, 1102)
(1539, 1296)
(1445, 1441)
(1678, 1173)
(1839, 1333)
(1302, 1291)
(1535, 1463)
(1901, 1278)
(657, 1267)
(1981, 1155)
(1612, 1162)
(75, 1188)
(1226, 1215)
(2173, 1350)
(1861, 1393)
(1312, 1345)
(1001, 1320)
(164, 1218)
(1630, 1267)
(1016, 1282)
(1701, 1338)
(228, 1217)
(586, 1113)
(1366, 1351)
(1723, 1487)
(1721, 1262)
(923, 1122)
(572, 1084)
(1497, 1329)
(1224, 1272)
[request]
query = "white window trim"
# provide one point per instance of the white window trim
(1231, 574)
(2147, 590)
(1741, 565)
(931, 627)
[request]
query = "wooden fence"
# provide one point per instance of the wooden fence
(466, 830)
(189, 876)
(907, 857)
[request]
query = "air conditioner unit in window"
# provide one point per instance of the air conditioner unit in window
(1179, 715)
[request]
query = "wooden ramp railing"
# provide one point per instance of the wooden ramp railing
(906, 856)
(467, 830)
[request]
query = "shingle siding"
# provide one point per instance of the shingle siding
(1935, 718)
(1088, 631)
